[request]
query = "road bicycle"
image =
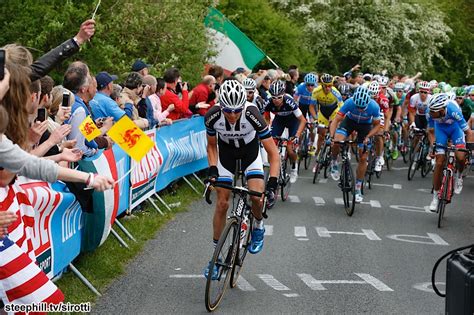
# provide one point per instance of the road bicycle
(303, 152)
(285, 168)
(388, 150)
(371, 160)
(233, 244)
(347, 179)
(323, 159)
(419, 154)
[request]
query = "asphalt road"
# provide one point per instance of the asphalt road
(379, 261)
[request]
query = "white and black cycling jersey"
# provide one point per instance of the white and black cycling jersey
(249, 126)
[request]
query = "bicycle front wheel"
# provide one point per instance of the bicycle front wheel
(223, 258)
(241, 253)
(444, 197)
(348, 188)
(285, 180)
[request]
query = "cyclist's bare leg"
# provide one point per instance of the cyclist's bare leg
(438, 171)
(256, 184)
(460, 161)
(336, 148)
(321, 135)
(220, 213)
(379, 143)
(291, 152)
(362, 166)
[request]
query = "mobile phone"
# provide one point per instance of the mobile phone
(65, 99)
(2, 64)
(41, 114)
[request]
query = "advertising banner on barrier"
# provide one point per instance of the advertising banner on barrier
(144, 173)
(183, 146)
(122, 160)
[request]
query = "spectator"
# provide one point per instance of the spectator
(145, 109)
(170, 96)
(290, 84)
(201, 98)
(218, 73)
(47, 84)
(264, 86)
(57, 114)
(115, 95)
(159, 115)
(140, 67)
(130, 97)
(102, 105)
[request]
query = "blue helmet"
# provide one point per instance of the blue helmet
(362, 97)
(311, 78)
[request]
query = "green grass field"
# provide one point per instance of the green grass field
(108, 262)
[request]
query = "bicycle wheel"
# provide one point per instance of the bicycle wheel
(317, 169)
(444, 197)
(414, 162)
(319, 163)
(224, 256)
(307, 161)
(241, 253)
(348, 189)
(285, 180)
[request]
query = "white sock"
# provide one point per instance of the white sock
(258, 224)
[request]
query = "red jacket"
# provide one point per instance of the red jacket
(200, 94)
(180, 106)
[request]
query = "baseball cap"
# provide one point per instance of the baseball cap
(103, 78)
(139, 65)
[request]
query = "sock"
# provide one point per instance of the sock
(258, 224)
(358, 184)
(214, 243)
(435, 193)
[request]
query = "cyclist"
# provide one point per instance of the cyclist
(362, 114)
(303, 97)
(382, 101)
(234, 128)
(328, 101)
(417, 110)
(253, 97)
(463, 103)
(345, 91)
(398, 113)
(446, 118)
(287, 115)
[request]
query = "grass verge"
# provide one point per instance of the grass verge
(108, 262)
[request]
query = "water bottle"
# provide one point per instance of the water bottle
(244, 228)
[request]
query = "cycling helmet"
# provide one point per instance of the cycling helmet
(277, 88)
(447, 87)
(344, 89)
(232, 95)
(376, 77)
(383, 81)
(471, 91)
(311, 78)
(362, 97)
(367, 77)
(436, 90)
(424, 85)
(460, 91)
(451, 95)
(374, 88)
(399, 87)
(327, 79)
(249, 84)
(433, 84)
(438, 102)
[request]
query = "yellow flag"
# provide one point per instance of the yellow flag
(130, 138)
(89, 129)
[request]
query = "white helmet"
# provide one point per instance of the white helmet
(249, 84)
(399, 86)
(438, 102)
(383, 81)
(376, 77)
(433, 84)
(374, 88)
(232, 95)
(424, 85)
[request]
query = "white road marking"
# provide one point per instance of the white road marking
(411, 208)
(187, 276)
(375, 204)
(291, 294)
(339, 201)
(400, 168)
(394, 186)
(319, 201)
(317, 285)
(425, 190)
(273, 283)
(433, 239)
(295, 199)
(300, 231)
(323, 180)
(427, 287)
(370, 234)
(303, 239)
(268, 230)
(397, 186)
(243, 284)
(376, 283)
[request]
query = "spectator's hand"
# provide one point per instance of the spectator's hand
(102, 183)
(86, 31)
(202, 105)
(71, 155)
(63, 114)
(170, 108)
(146, 91)
(6, 218)
(168, 121)
(356, 67)
(59, 134)
(68, 144)
(107, 123)
(110, 142)
(4, 84)
(37, 130)
(184, 86)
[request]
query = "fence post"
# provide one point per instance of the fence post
(155, 206)
(198, 179)
(189, 183)
(84, 279)
(125, 231)
(119, 239)
(163, 202)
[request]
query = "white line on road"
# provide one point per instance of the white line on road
(303, 239)
(312, 283)
(394, 186)
(186, 276)
(339, 201)
(424, 209)
(372, 203)
(427, 287)
(400, 168)
(268, 230)
(291, 294)
(376, 283)
(324, 232)
(300, 231)
(295, 199)
(425, 190)
(319, 201)
(273, 283)
(243, 284)
(323, 180)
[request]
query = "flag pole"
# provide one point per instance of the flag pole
(273, 62)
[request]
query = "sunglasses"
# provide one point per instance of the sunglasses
(250, 92)
(423, 92)
(459, 97)
(232, 110)
(279, 97)
(309, 84)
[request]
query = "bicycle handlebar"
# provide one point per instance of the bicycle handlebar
(235, 189)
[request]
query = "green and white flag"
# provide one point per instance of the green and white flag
(234, 48)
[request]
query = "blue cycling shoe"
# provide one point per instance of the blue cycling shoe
(256, 243)
(215, 271)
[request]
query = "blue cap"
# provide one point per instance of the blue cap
(103, 78)
(139, 65)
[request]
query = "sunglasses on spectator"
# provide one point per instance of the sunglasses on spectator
(278, 97)
(423, 92)
(232, 110)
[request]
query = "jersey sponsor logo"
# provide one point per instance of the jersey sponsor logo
(254, 119)
(212, 117)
